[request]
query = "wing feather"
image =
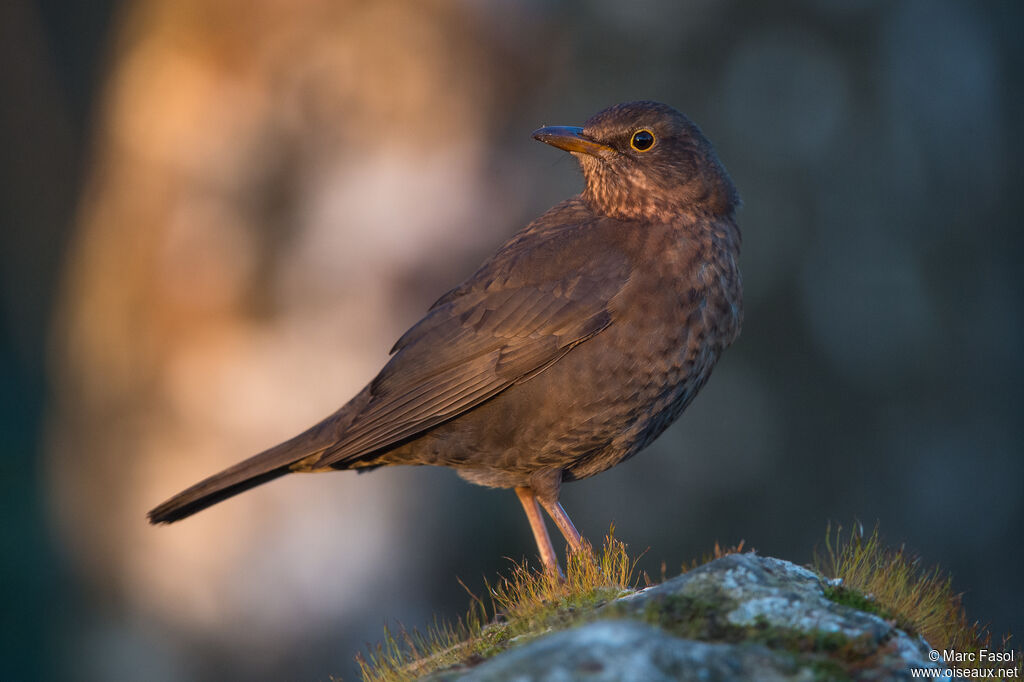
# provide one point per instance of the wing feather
(480, 339)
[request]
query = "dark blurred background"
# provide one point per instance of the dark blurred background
(217, 215)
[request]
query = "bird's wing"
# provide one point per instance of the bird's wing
(504, 328)
(539, 296)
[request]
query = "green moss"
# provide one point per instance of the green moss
(848, 596)
(828, 654)
(689, 617)
(703, 617)
(827, 670)
(853, 598)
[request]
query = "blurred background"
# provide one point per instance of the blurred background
(218, 215)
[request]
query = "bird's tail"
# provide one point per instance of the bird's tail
(258, 469)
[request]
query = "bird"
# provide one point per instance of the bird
(568, 351)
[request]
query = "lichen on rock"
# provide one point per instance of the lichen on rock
(740, 617)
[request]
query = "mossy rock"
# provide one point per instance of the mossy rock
(741, 617)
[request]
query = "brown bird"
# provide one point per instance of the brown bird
(568, 351)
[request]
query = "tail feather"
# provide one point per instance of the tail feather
(258, 469)
(194, 499)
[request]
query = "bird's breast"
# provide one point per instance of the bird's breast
(681, 308)
(685, 291)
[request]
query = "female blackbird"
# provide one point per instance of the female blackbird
(568, 351)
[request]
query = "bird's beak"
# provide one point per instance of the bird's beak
(571, 139)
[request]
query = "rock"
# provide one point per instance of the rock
(741, 617)
(623, 650)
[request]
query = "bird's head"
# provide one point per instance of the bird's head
(645, 160)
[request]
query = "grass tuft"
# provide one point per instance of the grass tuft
(717, 553)
(896, 585)
(523, 604)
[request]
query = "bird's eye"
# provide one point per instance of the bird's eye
(642, 140)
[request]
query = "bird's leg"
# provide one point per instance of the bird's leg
(540, 532)
(546, 485)
(564, 523)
